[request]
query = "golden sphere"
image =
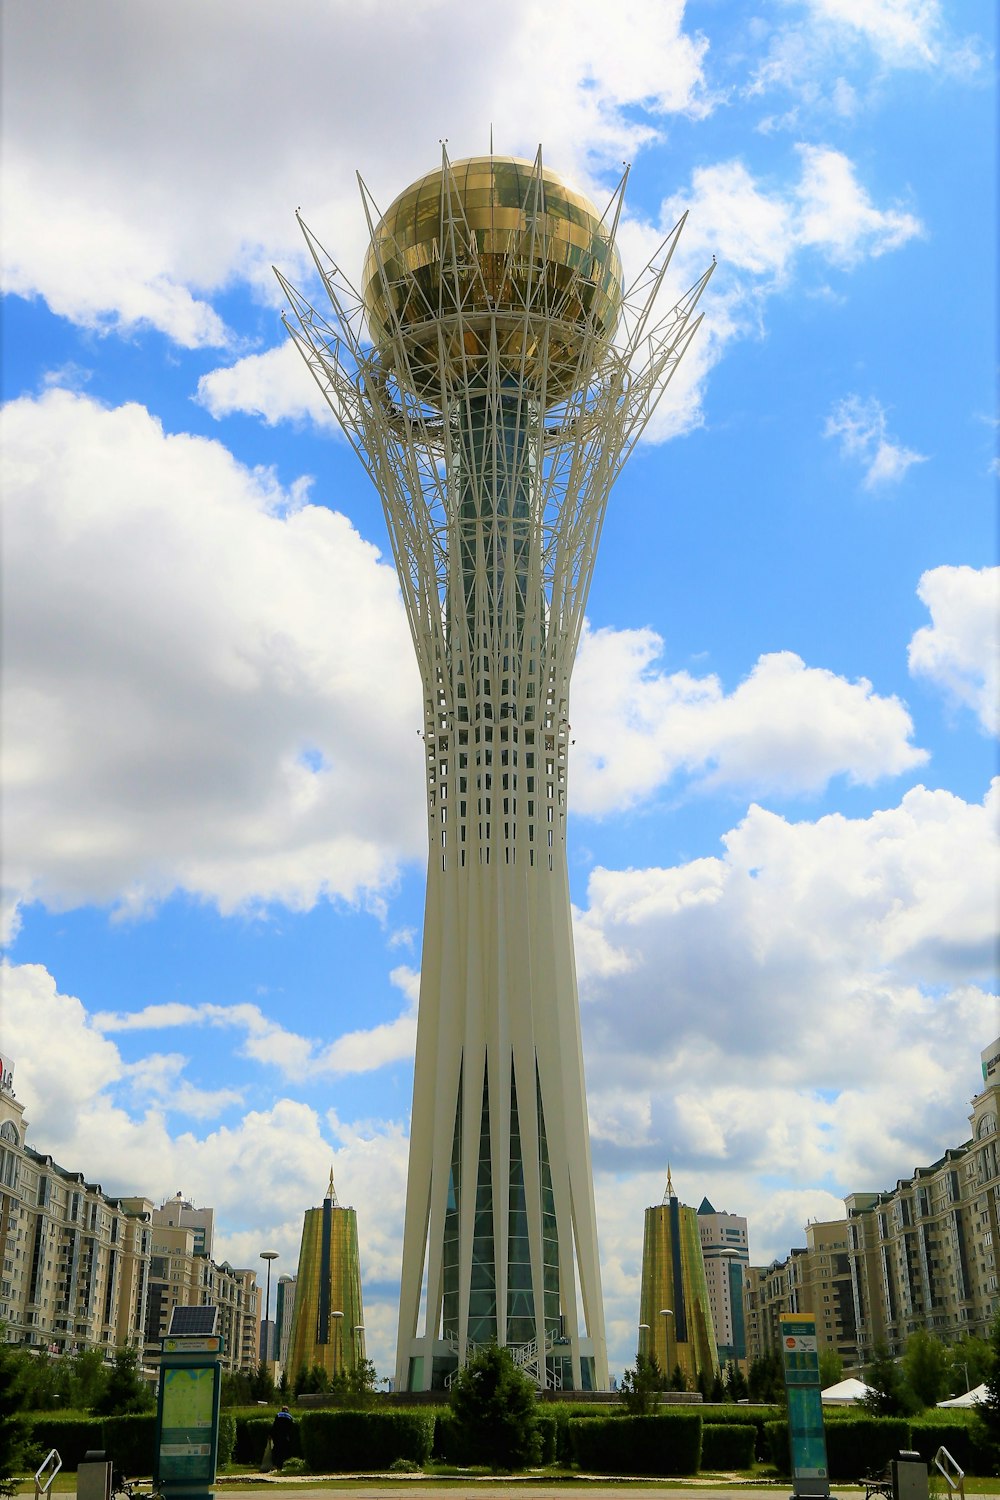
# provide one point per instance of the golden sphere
(537, 271)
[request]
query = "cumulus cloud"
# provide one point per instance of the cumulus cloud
(862, 430)
(95, 1113)
(959, 652)
(786, 727)
(751, 1001)
(209, 681)
(232, 123)
(815, 42)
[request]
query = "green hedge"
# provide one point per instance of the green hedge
(962, 1440)
(70, 1436)
(854, 1446)
(755, 1416)
(728, 1445)
(130, 1442)
(227, 1438)
(252, 1434)
(669, 1443)
(547, 1426)
(335, 1442)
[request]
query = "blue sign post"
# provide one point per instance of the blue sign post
(187, 1416)
(806, 1437)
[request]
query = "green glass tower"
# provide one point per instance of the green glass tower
(327, 1320)
(675, 1314)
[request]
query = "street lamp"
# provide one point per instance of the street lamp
(358, 1328)
(338, 1347)
(265, 1336)
(643, 1328)
(665, 1313)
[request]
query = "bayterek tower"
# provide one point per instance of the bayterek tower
(493, 373)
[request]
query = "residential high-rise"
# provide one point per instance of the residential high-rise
(675, 1313)
(327, 1319)
(284, 1307)
(813, 1279)
(493, 374)
(726, 1253)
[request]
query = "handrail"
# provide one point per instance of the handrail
(956, 1485)
(43, 1489)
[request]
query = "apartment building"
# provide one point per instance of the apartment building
(75, 1260)
(924, 1253)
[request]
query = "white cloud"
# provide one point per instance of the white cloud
(274, 386)
(959, 652)
(797, 1019)
(787, 727)
(232, 123)
(94, 1113)
(808, 53)
(209, 682)
(862, 429)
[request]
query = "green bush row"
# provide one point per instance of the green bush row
(667, 1443)
(727, 1445)
(856, 1446)
(346, 1441)
(127, 1441)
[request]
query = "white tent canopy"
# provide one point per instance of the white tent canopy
(844, 1392)
(978, 1393)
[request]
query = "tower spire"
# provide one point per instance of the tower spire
(669, 1193)
(331, 1191)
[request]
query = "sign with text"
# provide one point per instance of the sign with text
(806, 1437)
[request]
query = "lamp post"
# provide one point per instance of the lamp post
(265, 1336)
(643, 1328)
(338, 1347)
(358, 1328)
(665, 1313)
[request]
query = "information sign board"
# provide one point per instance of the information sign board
(807, 1439)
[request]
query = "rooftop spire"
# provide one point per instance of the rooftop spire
(331, 1191)
(670, 1187)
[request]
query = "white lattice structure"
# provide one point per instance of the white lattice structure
(493, 375)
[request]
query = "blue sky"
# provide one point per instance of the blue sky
(784, 708)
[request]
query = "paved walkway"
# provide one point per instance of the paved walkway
(406, 1487)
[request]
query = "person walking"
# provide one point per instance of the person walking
(282, 1429)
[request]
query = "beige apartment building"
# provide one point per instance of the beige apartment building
(183, 1273)
(921, 1255)
(74, 1259)
(814, 1279)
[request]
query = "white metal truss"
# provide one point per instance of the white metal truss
(493, 414)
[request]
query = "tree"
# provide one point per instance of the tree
(718, 1390)
(494, 1406)
(925, 1367)
(284, 1388)
(11, 1423)
(969, 1364)
(888, 1394)
(261, 1383)
(678, 1380)
(736, 1382)
(831, 1368)
(988, 1409)
(125, 1391)
(766, 1380)
(640, 1388)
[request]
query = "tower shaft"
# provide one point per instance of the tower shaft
(493, 413)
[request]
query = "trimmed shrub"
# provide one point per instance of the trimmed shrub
(728, 1445)
(667, 1443)
(130, 1442)
(227, 1438)
(337, 1442)
(755, 1416)
(928, 1434)
(70, 1436)
(252, 1434)
(855, 1446)
(546, 1428)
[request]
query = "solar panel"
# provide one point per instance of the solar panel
(198, 1321)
